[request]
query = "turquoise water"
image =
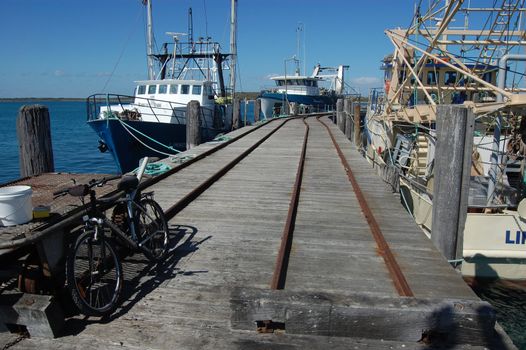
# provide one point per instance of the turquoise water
(74, 143)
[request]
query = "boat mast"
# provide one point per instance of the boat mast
(233, 46)
(149, 39)
(191, 31)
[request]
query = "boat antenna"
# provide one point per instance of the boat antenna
(149, 38)
(191, 30)
(233, 46)
(299, 31)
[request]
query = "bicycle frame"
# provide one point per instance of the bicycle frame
(97, 219)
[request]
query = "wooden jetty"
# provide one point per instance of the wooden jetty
(250, 211)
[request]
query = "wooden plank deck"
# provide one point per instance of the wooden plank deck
(224, 248)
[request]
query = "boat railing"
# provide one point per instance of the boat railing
(124, 108)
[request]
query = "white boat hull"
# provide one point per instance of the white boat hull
(494, 244)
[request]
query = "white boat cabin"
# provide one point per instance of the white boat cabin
(297, 85)
(164, 101)
(178, 92)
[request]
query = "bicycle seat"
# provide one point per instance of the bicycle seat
(128, 183)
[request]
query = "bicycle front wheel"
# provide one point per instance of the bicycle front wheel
(94, 275)
(153, 229)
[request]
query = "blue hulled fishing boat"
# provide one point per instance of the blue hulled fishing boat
(152, 122)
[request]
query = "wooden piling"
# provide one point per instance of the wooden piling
(245, 105)
(33, 130)
(357, 125)
(193, 134)
(257, 109)
(452, 176)
(340, 120)
(347, 103)
(235, 114)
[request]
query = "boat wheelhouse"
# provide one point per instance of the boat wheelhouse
(303, 91)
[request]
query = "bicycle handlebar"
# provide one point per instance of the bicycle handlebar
(83, 190)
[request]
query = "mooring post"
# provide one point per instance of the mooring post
(347, 103)
(235, 113)
(257, 109)
(357, 125)
(193, 134)
(340, 120)
(245, 103)
(452, 176)
(33, 130)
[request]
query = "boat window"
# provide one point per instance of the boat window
(487, 77)
(450, 77)
(279, 82)
(208, 90)
(185, 89)
(315, 83)
(141, 89)
(173, 88)
(196, 89)
(162, 89)
(431, 78)
(152, 89)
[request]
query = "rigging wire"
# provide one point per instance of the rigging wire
(126, 42)
(206, 19)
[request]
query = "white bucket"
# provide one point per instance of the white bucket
(15, 205)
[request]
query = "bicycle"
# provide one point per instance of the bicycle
(93, 267)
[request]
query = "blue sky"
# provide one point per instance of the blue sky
(73, 48)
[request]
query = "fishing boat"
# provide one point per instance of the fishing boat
(295, 92)
(303, 91)
(152, 122)
(454, 53)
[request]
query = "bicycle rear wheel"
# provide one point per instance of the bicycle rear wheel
(94, 275)
(153, 229)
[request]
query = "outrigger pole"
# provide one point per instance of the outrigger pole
(149, 39)
(233, 46)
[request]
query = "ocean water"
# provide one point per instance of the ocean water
(74, 143)
(509, 300)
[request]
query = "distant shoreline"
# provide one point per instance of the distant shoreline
(21, 99)
(240, 95)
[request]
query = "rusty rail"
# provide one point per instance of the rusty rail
(395, 271)
(196, 192)
(282, 261)
(74, 217)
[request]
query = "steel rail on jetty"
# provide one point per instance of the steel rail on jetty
(280, 271)
(75, 217)
(383, 248)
